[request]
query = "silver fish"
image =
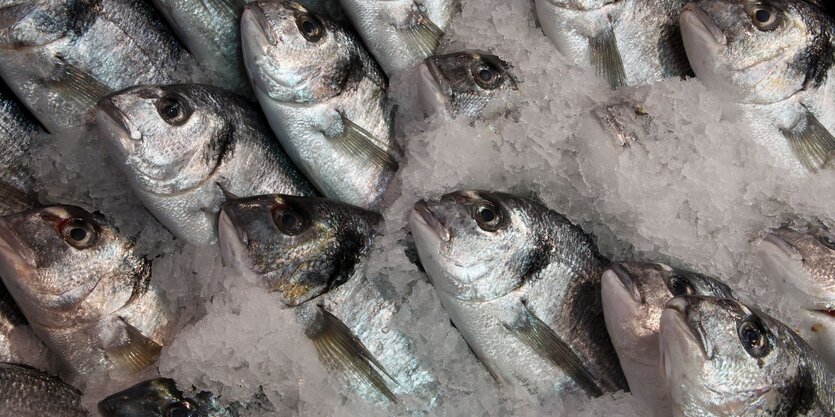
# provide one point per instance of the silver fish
(85, 292)
(802, 263)
(400, 33)
(18, 132)
(311, 254)
(723, 358)
(182, 146)
(463, 83)
(775, 58)
(325, 99)
(634, 294)
(522, 285)
(26, 392)
(160, 397)
(627, 42)
(61, 57)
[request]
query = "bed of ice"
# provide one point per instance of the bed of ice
(693, 191)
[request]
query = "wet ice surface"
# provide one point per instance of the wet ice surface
(693, 191)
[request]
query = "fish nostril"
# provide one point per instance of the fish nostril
(679, 304)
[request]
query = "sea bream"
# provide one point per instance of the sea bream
(61, 57)
(183, 146)
(18, 134)
(311, 254)
(522, 286)
(27, 392)
(626, 42)
(400, 33)
(723, 358)
(801, 261)
(775, 58)
(325, 98)
(634, 295)
(84, 291)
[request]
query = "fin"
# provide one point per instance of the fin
(605, 58)
(228, 8)
(137, 352)
(76, 84)
(538, 336)
(340, 350)
(423, 37)
(14, 200)
(361, 145)
(811, 143)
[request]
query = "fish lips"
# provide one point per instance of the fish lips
(423, 214)
(678, 332)
(785, 263)
(435, 92)
(115, 124)
(254, 18)
(703, 42)
(15, 255)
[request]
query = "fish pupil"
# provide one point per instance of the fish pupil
(678, 285)
(78, 234)
(289, 220)
(485, 75)
(751, 337)
(171, 110)
(762, 15)
(486, 214)
(308, 27)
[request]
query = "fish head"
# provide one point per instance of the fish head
(721, 357)
(757, 51)
(803, 258)
(168, 138)
(634, 295)
(153, 398)
(300, 247)
(480, 245)
(64, 264)
(294, 55)
(463, 82)
(25, 24)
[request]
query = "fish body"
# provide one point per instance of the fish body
(324, 97)
(26, 392)
(61, 57)
(18, 132)
(634, 295)
(522, 286)
(183, 146)
(160, 397)
(627, 42)
(801, 261)
(311, 253)
(463, 83)
(775, 59)
(723, 358)
(400, 33)
(84, 291)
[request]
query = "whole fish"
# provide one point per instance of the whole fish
(634, 295)
(160, 397)
(775, 58)
(325, 99)
(18, 132)
(311, 254)
(182, 146)
(26, 392)
(627, 42)
(61, 57)
(723, 358)
(85, 292)
(400, 33)
(463, 83)
(802, 263)
(522, 286)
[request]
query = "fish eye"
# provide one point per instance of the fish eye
(752, 335)
(765, 19)
(173, 110)
(181, 409)
(827, 241)
(289, 221)
(679, 285)
(487, 75)
(487, 216)
(78, 233)
(310, 27)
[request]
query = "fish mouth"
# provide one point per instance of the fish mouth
(624, 282)
(425, 215)
(680, 346)
(254, 15)
(435, 92)
(227, 222)
(116, 124)
(773, 244)
(19, 258)
(785, 264)
(692, 16)
(674, 318)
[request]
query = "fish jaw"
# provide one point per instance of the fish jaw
(703, 43)
(232, 241)
(120, 133)
(682, 352)
(17, 260)
(784, 263)
(430, 235)
(434, 91)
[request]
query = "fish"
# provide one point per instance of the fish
(521, 284)
(27, 392)
(463, 83)
(725, 358)
(401, 33)
(19, 132)
(61, 57)
(634, 295)
(160, 397)
(773, 58)
(325, 98)
(625, 42)
(84, 291)
(801, 262)
(183, 147)
(312, 255)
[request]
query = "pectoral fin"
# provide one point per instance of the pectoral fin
(811, 143)
(227, 8)
(75, 84)
(544, 341)
(341, 350)
(360, 145)
(423, 36)
(605, 58)
(13, 200)
(134, 350)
